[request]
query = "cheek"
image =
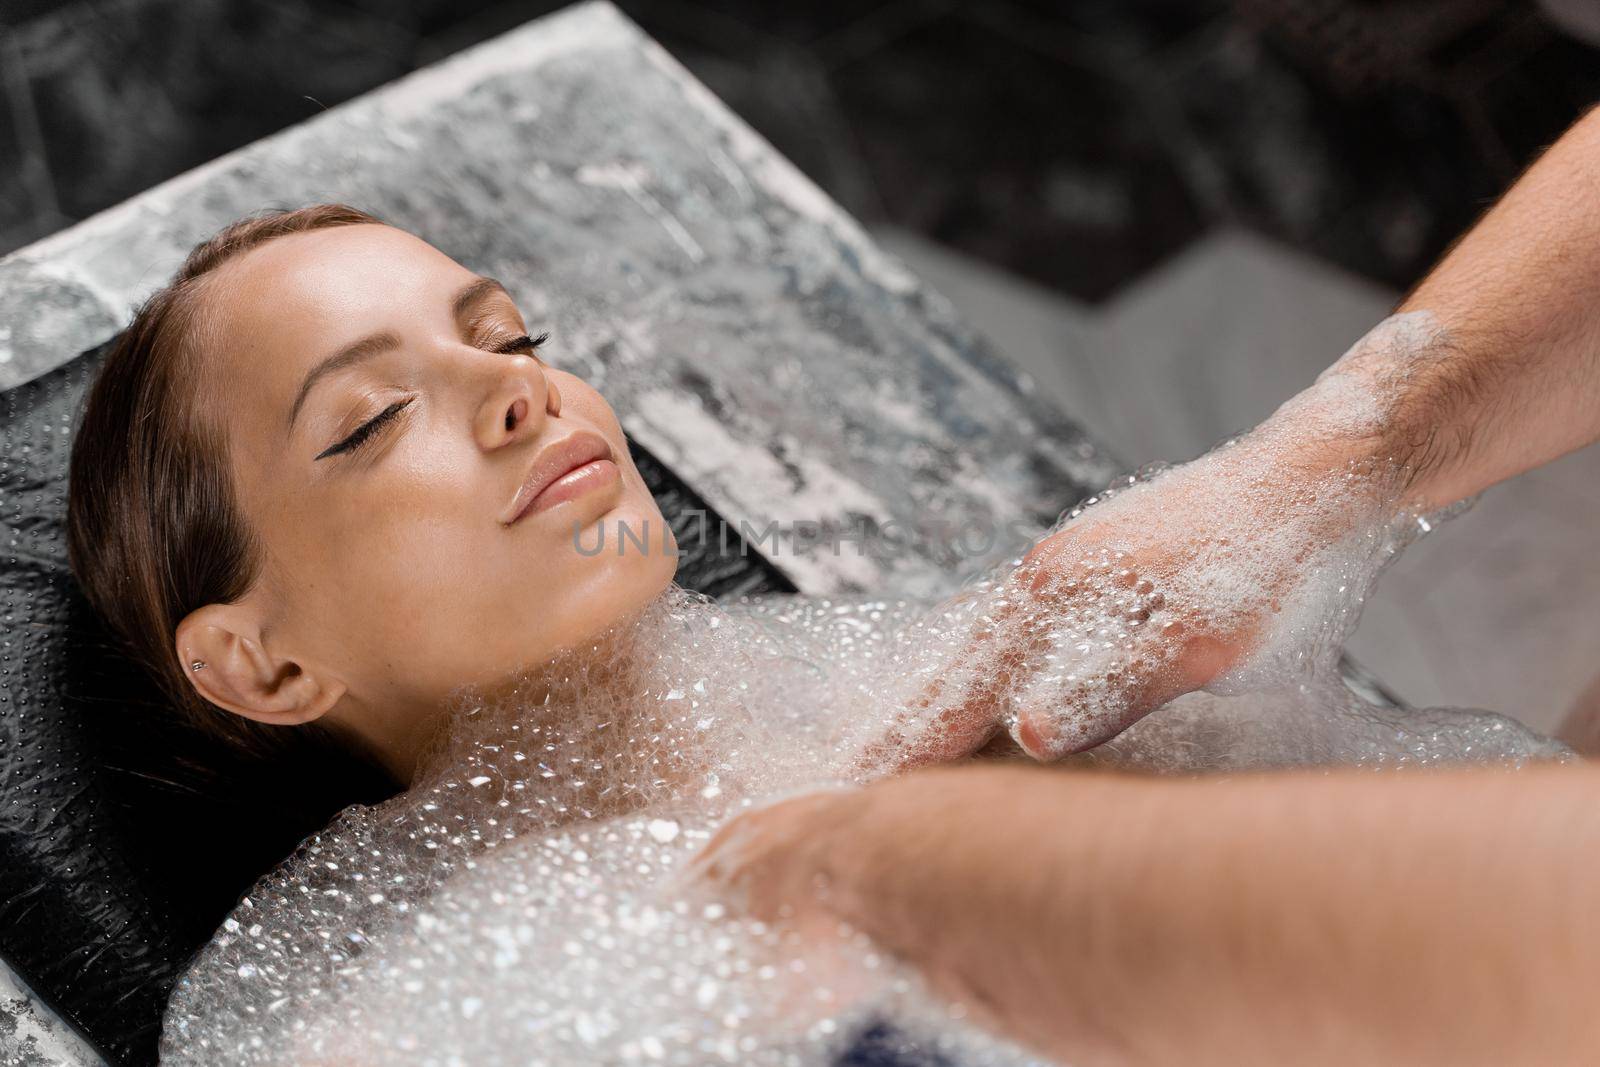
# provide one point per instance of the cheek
(415, 602)
(418, 585)
(389, 553)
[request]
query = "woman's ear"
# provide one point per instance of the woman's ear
(239, 674)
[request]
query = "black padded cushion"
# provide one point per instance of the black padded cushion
(125, 837)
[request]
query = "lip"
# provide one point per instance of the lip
(555, 461)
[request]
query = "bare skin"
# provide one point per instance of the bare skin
(392, 577)
(1342, 918)
(1421, 918)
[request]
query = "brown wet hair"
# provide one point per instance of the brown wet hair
(154, 529)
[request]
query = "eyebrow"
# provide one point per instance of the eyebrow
(348, 356)
(385, 341)
(474, 294)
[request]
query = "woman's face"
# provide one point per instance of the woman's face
(386, 419)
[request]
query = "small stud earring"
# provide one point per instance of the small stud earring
(198, 665)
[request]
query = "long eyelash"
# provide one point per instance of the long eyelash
(518, 344)
(365, 431)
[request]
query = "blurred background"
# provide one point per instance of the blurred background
(1172, 213)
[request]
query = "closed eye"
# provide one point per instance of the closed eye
(369, 429)
(366, 431)
(524, 343)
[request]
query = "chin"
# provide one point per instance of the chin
(630, 554)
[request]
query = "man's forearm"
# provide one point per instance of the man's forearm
(1421, 917)
(1510, 378)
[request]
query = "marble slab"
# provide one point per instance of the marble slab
(31, 1034)
(815, 392)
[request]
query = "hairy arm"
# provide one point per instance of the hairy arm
(1408, 917)
(1490, 367)
(1515, 381)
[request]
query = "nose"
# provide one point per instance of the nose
(522, 398)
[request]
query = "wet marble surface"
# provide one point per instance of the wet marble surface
(746, 329)
(31, 1035)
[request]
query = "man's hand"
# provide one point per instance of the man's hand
(1246, 555)
(925, 864)
(780, 862)
(1123, 611)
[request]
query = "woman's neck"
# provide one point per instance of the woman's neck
(563, 698)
